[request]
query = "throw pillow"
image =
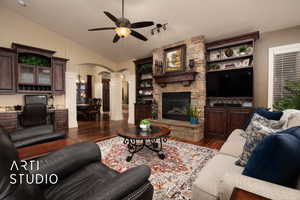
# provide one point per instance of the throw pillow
(276, 159)
(272, 115)
(265, 113)
(259, 132)
(264, 121)
(294, 120)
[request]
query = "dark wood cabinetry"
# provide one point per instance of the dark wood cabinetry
(60, 120)
(144, 89)
(9, 121)
(59, 70)
(26, 70)
(221, 121)
(7, 71)
(142, 111)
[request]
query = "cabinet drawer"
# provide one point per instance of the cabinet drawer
(8, 116)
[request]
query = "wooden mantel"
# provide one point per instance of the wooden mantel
(186, 78)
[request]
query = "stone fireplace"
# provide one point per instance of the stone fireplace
(195, 50)
(174, 105)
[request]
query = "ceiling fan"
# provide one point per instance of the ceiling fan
(124, 27)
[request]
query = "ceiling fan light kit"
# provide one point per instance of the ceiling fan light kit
(21, 3)
(123, 32)
(123, 26)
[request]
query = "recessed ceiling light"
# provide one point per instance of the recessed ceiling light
(21, 2)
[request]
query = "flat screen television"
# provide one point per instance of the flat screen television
(231, 83)
(36, 99)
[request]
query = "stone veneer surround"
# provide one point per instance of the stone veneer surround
(195, 49)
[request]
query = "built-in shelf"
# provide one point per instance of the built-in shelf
(145, 88)
(229, 68)
(146, 79)
(231, 58)
(150, 95)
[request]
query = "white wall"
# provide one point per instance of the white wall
(130, 77)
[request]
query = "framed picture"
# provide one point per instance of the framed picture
(174, 59)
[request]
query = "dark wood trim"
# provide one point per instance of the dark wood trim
(17, 46)
(61, 59)
(143, 61)
(185, 77)
(8, 49)
(249, 36)
(239, 194)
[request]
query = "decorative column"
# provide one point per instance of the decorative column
(70, 99)
(116, 112)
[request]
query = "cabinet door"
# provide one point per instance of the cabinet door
(7, 72)
(44, 76)
(27, 74)
(237, 118)
(215, 122)
(59, 69)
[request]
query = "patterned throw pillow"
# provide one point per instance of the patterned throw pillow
(258, 133)
(274, 124)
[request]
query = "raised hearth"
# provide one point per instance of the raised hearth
(182, 129)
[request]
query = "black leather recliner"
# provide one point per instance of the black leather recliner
(81, 176)
(34, 115)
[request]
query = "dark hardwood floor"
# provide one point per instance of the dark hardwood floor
(95, 131)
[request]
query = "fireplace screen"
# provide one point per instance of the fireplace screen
(174, 105)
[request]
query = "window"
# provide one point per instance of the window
(284, 65)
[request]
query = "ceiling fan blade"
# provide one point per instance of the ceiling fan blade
(110, 16)
(138, 35)
(116, 38)
(101, 29)
(141, 24)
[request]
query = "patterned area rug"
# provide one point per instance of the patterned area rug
(172, 177)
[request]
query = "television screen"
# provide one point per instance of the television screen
(233, 83)
(36, 99)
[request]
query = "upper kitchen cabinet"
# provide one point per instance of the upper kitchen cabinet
(33, 70)
(7, 71)
(59, 71)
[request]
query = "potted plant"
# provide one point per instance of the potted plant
(145, 125)
(243, 50)
(193, 113)
(291, 101)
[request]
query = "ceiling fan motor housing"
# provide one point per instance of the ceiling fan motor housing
(123, 22)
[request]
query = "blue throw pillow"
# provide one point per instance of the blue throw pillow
(265, 113)
(269, 114)
(277, 158)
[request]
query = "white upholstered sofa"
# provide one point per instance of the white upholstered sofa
(220, 176)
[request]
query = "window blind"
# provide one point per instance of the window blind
(286, 68)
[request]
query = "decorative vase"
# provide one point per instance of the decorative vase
(194, 120)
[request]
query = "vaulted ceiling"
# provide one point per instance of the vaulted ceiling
(212, 18)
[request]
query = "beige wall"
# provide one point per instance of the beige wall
(15, 28)
(266, 41)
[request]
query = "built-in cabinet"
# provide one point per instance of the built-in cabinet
(59, 70)
(7, 71)
(144, 89)
(26, 70)
(221, 121)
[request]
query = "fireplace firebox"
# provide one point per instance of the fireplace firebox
(174, 105)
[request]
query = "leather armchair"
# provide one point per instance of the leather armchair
(81, 175)
(33, 115)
